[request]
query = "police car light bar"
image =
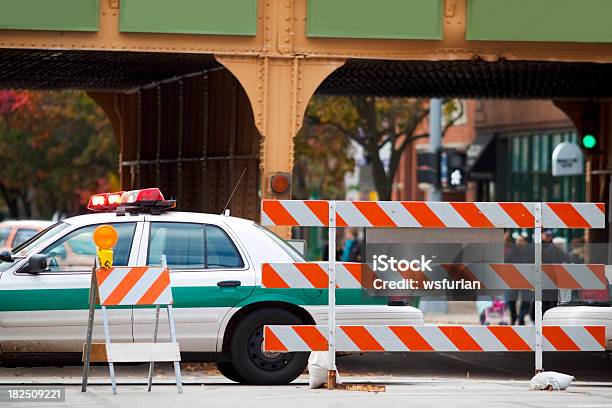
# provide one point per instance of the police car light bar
(149, 199)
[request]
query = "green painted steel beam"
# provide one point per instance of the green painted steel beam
(230, 17)
(540, 20)
(56, 15)
(386, 19)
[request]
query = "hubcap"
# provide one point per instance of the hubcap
(267, 361)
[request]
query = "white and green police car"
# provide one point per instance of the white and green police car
(215, 262)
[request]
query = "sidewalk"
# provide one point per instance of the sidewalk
(463, 312)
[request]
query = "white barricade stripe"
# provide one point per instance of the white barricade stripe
(139, 352)
(435, 338)
(302, 214)
(496, 215)
(348, 275)
(348, 344)
(347, 214)
(141, 286)
(485, 339)
(111, 278)
(448, 215)
(400, 214)
(386, 338)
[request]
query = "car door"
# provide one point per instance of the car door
(47, 312)
(209, 273)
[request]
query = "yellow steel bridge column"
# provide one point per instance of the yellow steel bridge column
(279, 83)
(279, 89)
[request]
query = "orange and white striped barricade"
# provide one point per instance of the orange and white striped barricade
(378, 338)
(135, 286)
(350, 275)
(418, 214)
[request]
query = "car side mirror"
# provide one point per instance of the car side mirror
(37, 263)
(299, 245)
(6, 256)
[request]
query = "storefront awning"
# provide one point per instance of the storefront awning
(480, 158)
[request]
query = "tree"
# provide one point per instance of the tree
(375, 123)
(322, 159)
(55, 150)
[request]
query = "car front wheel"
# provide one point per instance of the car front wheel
(228, 371)
(255, 366)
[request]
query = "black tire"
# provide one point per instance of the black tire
(227, 369)
(257, 367)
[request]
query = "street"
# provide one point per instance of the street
(425, 393)
(417, 379)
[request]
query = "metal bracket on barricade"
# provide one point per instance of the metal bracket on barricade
(418, 214)
(130, 286)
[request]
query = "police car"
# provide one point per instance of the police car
(215, 263)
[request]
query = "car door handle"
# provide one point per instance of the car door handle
(229, 284)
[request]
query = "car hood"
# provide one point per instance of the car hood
(578, 315)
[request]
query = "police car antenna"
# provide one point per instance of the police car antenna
(233, 191)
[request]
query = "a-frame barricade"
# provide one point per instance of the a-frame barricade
(131, 286)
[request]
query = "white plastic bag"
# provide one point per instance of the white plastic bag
(317, 369)
(550, 380)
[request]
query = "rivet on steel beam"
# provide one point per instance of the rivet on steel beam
(451, 7)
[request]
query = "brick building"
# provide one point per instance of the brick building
(509, 146)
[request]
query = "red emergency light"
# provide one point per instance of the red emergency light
(148, 199)
(104, 201)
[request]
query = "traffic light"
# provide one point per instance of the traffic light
(589, 141)
(444, 168)
(452, 170)
(428, 167)
(589, 130)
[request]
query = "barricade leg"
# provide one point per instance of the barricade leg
(331, 315)
(152, 363)
(177, 365)
(537, 239)
(111, 366)
(90, 323)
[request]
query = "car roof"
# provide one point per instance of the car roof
(178, 216)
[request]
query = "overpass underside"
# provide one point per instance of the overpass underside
(195, 104)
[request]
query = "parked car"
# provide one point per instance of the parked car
(215, 263)
(585, 307)
(15, 233)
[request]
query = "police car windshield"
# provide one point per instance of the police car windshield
(291, 251)
(25, 248)
(22, 250)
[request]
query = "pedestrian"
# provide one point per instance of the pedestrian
(551, 254)
(578, 253)
(352, 246)
(520, 253)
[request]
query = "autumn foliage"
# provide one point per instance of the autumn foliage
(56, 148)
(375, 123)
